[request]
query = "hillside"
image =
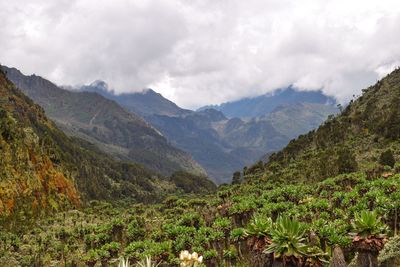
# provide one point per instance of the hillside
(357, 139)
(103, 122)
(31, 177)
(44, 170)
(260, 105)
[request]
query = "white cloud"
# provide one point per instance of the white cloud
(204, 51)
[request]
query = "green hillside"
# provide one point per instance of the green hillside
(354, 140)
(44, 170)
(31, 177)
(104, 123)
(345, 215)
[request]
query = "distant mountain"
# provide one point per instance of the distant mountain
(144, 103)
(256, 134)
(222, 144)
(295, 119)
(103, 122)
(195, 133)
(260, 105)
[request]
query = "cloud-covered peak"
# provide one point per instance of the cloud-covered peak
(100, 85)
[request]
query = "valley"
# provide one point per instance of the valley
(223, 145)
(172, 133)
(332, 199)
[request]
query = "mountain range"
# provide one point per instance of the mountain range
(43, 170)
(220, 143)
(105, 123)
(148, 129)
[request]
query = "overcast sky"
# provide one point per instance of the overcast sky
(199, 52)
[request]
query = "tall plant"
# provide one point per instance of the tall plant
(369, 237)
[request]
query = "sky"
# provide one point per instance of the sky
(200, 52)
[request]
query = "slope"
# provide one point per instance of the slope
(41, 169)
(357, 139)
(103, 122)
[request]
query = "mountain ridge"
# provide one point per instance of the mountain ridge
(223, 145)
(147, 102)
(250, 107)
(43, 170)
(90, 116)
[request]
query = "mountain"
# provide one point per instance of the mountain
(194, 133)
(251, 221)
(223, 145)
(220, 144)
(260, 105)
(362, 137)
(298, 118)
(145, 103)
(103, 122)
(42, 169)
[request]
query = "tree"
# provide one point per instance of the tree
(391, 126)
(369, 237)
(338, 259)
(346, 161)
(387, 158)
(236, 179)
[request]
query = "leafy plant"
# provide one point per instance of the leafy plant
(238, 234)
(259, 226)
(367, 223)
(287, 237)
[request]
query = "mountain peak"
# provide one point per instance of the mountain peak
(100, 85)
(150, 91)
(213, 114)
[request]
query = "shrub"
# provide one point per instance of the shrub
(387, 158)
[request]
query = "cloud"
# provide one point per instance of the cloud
(204, 51)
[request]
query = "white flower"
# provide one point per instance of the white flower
(189, 260)
(184, 255)
(195, 256)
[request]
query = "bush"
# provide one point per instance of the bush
(391, 252)
(346, 161)
(387, 158)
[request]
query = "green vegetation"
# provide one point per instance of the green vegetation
(42, 170)
(101, 121)
(328, 198)
(257, 222)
